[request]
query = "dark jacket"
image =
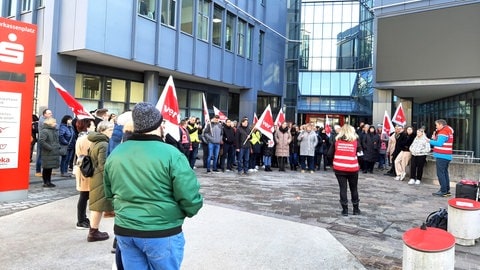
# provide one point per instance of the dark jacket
(66, 136)
(241, 137)
(228, 135)
(50, 147)
(371, 146)
(116, 138)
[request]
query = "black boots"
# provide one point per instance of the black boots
(268, 169)
(96, 235)
(356, 210)
(344, 210)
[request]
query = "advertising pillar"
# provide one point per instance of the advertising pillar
(17, 64)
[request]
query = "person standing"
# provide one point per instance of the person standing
(228, 146)
(242, 137)
(345, 165)
(67, 139)
(419, 149)
(50, 150)
(392, 150)
(308, 140)
(283, 137)
(34, 134)
(370, 145)
(84, 126)
(403, 158)
(213, 134)
(294, 148)
(97, 201)
(38, 166)
(442, 142)
(153, 192)
(193, 128)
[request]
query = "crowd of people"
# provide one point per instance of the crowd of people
(117, 187)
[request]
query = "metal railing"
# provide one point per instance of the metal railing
(461, 156)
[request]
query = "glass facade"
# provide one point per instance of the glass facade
(335, 58)
(460, 112)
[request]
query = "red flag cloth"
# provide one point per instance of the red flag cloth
(255, 118)
(168, 106)
(206, 115)
(222, 116)
(280, 118)
(328, 129)
(387, 124)
(76, 107)
(399, 116)
(265, 123)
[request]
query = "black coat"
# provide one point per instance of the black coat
(370, 146)
(50, 147)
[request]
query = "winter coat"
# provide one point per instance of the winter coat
(308, 141)
(370, 146)
(213, 133)
(116, 138)
(98, 153)
(50, 147)
(268, 146)
(66, 136)
(294, 146)
(283, 138)
(420, 146)
(241, 137)
(228, 135)
(81, 150)
(154, 190)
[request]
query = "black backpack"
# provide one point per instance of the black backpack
(438, 219)
(86, 167)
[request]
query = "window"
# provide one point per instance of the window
(217, 26)
(147, 8)
(260, 47)
(187, 17)
(10, 8)
(241, 37)
(203, 19)
(41, 3)
(26, 5)
(168, 12)
(229, 31)
(249, 42)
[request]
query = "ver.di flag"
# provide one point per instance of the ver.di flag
(76, 107)
(280, 118)
(399, 116)
(328, 129)
(206, 116)
(222, 116)
(168, 106)
(387, 124)
(265, 123)
(255, 118)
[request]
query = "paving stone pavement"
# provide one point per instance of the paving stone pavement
(389, 208)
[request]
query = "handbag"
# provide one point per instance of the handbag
(86, 167)
(63, 150)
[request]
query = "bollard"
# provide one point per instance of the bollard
(428, 248)
(464, 220)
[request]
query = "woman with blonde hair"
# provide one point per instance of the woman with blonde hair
(97, 201)
(345, 165)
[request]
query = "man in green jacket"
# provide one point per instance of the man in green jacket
(153, 189)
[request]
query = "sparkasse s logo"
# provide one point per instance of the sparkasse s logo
(11, 52)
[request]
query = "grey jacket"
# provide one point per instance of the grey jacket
(213, 133)
(308, 141)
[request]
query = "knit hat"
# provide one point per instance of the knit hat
(145, 117)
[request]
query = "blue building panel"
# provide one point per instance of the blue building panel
(229, 67)
(144, 50)
(167, 43)
(216, 64)
(240, 71)
(202, 58)
(185, 54)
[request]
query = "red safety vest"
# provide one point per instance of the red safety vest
(447, 147)
(345, 158)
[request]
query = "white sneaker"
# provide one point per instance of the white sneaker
(402, 176)
(411, 181)
(397, 178)
(417, 182)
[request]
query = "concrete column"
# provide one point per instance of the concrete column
(150, 86)
(382, 101)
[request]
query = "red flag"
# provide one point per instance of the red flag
(216, 111)
(399, 116)
(265, 123)
(76, 107)
(387, 124)
(168, 106)
(206, 115)
(328, 129)
(280, 118)
(255, 118)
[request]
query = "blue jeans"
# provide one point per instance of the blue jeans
(213, 151)
(293, 160)
(243, 158)
(310, 163)
(65, 161)
(267, 160)
(442, 174)
(152, 253)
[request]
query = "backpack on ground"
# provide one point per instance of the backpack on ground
(438, 219)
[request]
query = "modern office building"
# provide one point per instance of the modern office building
(427, 53)
(335, 68)
(113, 54)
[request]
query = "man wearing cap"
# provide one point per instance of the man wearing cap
(153, 189)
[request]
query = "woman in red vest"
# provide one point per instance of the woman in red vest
(345, 165)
